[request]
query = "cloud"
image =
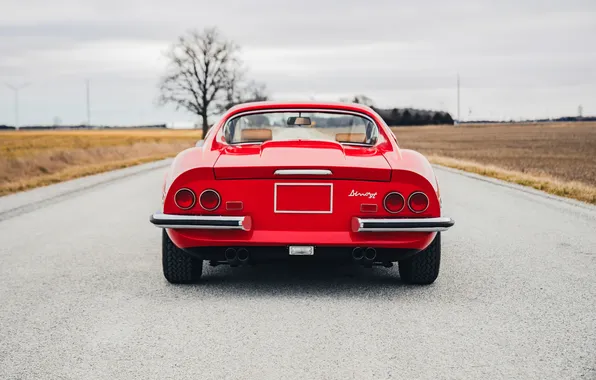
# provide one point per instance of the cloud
(516, 59)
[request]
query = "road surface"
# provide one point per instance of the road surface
(82, 296)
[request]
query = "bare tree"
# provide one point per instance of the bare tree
(238, 92)
(204, 72)
(363, 99)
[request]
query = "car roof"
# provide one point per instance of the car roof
(300, 104)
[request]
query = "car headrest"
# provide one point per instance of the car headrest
(261, 134)
(350, 137)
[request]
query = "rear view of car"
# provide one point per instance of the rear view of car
(277, 180)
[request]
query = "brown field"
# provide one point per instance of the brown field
(557, 158)
(36, 158)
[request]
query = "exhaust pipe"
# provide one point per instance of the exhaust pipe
(370, 254)
(232, 257)
(243, 255)
(357, 254)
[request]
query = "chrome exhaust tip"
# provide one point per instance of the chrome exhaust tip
(231, 256)
(243, 255)
(370, 254)
(357, 254)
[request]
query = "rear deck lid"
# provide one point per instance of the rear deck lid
(302, 159)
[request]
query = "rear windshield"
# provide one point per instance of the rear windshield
(299, 125)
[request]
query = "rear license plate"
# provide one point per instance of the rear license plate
(303, 198)
(300, 250)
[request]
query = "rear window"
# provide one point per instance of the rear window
(338, 126)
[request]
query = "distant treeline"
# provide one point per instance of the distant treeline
(393, 117)
(558, 120)
(69, 127)
(410, 116)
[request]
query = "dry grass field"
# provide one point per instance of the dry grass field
(558, 158)
(36, 158)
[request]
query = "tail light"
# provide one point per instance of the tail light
(418, 202)
(394, 202)
(209, 200)
(185, 199)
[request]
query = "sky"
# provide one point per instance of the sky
(516, 59)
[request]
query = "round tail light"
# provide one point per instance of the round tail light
(394, 202)
(418, 202)
(184, 199)
(209, 200)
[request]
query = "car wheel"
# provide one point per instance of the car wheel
(178, 266)
(423, 267)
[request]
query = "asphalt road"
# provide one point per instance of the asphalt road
(82, 297)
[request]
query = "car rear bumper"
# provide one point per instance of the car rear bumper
(210, 231)
(244, 223)
(200, 222)
(402, 225)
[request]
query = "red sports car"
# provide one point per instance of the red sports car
(275, 180)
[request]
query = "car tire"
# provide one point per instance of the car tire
(178, 266)
(423, 267)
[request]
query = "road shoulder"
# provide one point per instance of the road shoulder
(19, 203)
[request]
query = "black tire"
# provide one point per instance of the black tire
(178, 266)
(423, 267)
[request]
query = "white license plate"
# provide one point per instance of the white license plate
(302, 250)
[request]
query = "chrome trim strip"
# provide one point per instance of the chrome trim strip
(298, 109)
(355, 144)
(203, 222)
(303, 172)
(405, 225)
(312, 110)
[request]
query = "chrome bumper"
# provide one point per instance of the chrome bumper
(402, 225)
(201, 222)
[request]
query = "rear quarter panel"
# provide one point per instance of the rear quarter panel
(193, 163)
(416, 163)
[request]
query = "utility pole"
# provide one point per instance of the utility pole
(87, 86)
(16, 90)
(458, 104)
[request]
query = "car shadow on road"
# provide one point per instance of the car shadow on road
(303, 279)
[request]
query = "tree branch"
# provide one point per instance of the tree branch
(204, 75)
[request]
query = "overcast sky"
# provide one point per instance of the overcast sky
(517, 59)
